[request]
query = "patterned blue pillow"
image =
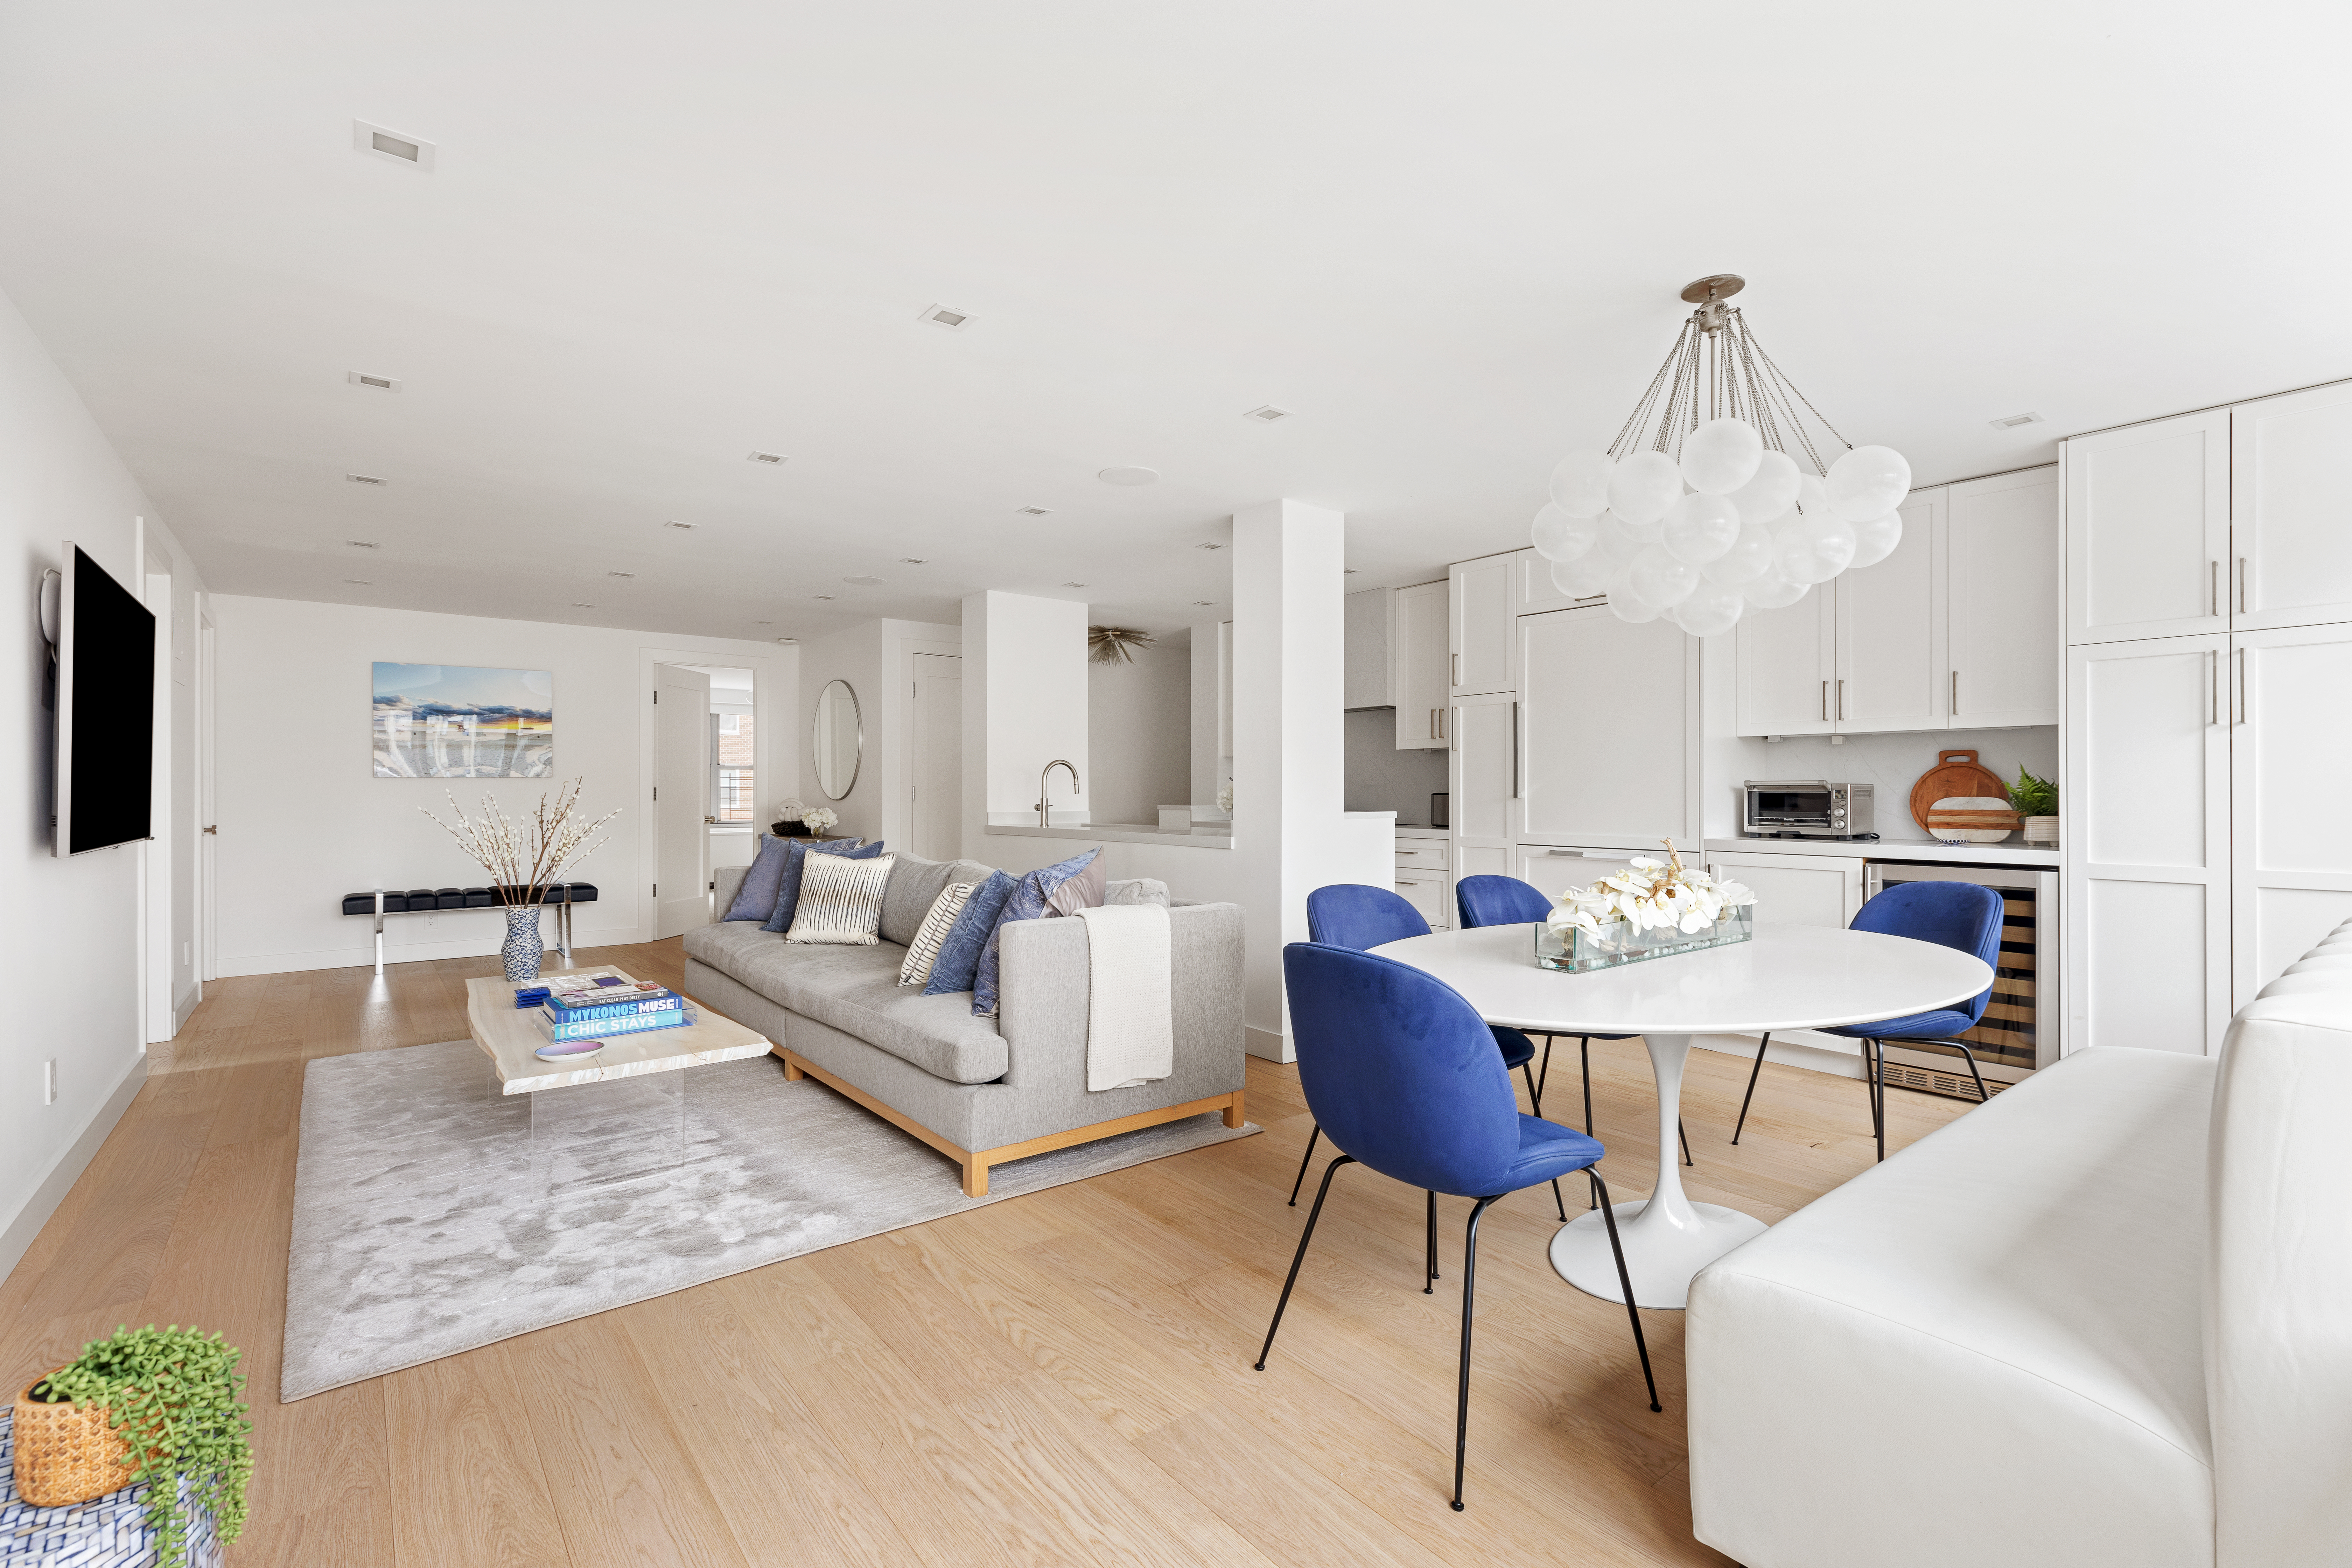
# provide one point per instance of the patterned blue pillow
(1027, 904)
(756, 898)
(959, 959)
(788, 886)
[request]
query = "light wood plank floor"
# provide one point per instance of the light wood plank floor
(1063, 1378)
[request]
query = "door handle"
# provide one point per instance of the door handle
(2213, 706)
(1453, 729)
(1825, 701)
(2245, 714)
(2213, 591)
(1457, 669)
(1955, 694)
(1517, 790)
(2241, 584)
(214, 829)
(1841, 701)
(1578, 854)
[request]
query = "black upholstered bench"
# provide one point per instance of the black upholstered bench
(431, 900)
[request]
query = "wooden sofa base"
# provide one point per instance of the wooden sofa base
(976, 1162)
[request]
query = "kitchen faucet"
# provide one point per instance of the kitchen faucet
(1044, 774)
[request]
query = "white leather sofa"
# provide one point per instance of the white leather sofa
(2104, 1320)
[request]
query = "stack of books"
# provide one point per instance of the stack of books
(595, 1007)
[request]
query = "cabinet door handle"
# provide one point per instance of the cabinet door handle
(1457, 669)
(2213, 704)
(1516, 790)
(1825, 701)
(1433, 724)
(2241, 584)
(1955, 694)
(2214, 591)
(1841, 701)
(1577, 854)
(2245, 714)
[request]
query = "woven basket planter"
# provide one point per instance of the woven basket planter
(66, 1454)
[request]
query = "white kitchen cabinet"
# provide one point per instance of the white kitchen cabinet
(1797, 890)
(1424, 877)
(1418, 660)
(1609, 752)
(1366, 666)
(2290, 562)
(2147, 809)
(1788, 659)
(1482, 780)
(1552, 868)
(1485, 596)
(1538, 593)
(1890, 633)
(2001, 576)
(2291, 831)
(2147, 530)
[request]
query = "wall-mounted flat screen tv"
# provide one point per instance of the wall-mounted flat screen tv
(105, 740)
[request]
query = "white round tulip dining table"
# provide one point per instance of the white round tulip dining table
(1785, 977)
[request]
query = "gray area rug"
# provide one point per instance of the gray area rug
(430, 1217)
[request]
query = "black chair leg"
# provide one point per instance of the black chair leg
(1304, 1161)
(1982, 1097)
(1877, 1070)
(1535, 1095)
(1428, 1285)
(1584, 1057)
(1469, 1299)
(1751, 1085)
(1685, 1138)
(1624, 1283)
(1543, 1078)
(1309, 1235)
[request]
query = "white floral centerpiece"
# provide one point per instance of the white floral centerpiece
(819, 819)
(1651, 909)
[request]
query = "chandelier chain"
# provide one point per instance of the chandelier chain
(1784, 380)
(1635, 420)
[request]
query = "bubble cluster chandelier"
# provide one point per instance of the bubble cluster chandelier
(1699, 515)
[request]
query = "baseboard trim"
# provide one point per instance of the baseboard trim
(1270, 1044)
(362, 956)
(50, 1191)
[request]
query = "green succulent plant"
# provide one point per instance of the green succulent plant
(2033, 796)
(172, 1395)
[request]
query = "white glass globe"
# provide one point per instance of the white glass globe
(1626, 604)
(1580, 486)
(1619, 542)
(1721, 456)
(1773, 592)
(1657, 577)
(1813, 549)
(1710, 611)
(1749, 557)
(1767, 498)
(1699, 528)
(1642, 486)
(1583, 576)
(1559, 537)
(1868, 482)
(1874, 541)
(1812, 497)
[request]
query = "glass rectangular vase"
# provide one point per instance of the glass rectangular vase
(1577, 951)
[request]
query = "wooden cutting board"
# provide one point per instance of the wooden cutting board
(1972, 819)
(1958, 777)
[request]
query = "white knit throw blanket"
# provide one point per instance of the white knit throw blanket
(1130, 997)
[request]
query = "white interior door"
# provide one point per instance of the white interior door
(681, 787)
(2147, 529)
(2291, 510)
(162, 952)
(1787, 660)
(2291, 834)
(1890, 631)
(207, 811)
(2001, 554)
(2147, 818)
(936, 801)
(1608, 732)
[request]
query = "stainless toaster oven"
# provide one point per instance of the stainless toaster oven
(1806, 808)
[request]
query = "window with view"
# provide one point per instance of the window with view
(731, 783)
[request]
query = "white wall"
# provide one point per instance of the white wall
(303, 820)
(71, 928)
(1382, 778)
(1212, 763)
(1024, 698)
(1139, 735)
(875, 657)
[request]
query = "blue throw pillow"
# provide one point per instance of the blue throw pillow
(788, 886)
(959, 958)
(1027, 904)
(756, 898)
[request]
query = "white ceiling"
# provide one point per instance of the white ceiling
(657, 237)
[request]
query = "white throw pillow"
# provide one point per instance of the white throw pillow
(841, 899)
(924, 950)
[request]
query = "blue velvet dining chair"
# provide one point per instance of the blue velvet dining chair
(1356, 915)
(1508, 901)
(1402, 1071)
(1963, 915)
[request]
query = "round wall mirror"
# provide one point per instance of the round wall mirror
(838, 740)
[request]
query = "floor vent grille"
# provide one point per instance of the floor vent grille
(1958, 1086)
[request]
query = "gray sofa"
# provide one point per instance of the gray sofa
(980, 1090)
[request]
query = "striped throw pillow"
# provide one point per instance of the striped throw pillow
(841, 899)
(924, 950)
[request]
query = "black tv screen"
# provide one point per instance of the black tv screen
(106, 710)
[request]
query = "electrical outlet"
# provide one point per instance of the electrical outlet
(49, 1081)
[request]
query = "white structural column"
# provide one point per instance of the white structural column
(1291, 829)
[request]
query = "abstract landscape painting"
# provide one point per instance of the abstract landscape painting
(457, 722)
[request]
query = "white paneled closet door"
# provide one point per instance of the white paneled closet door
(2290, 826)
(1418, 656)
(1890, 631)
(2146, 813)
(2148, 529)
(2290, 511)
(1608, 732)
(1485, 596)
(2002, 574)
(1787, 663)
(1482, 779)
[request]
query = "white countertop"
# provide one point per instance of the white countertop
(1219, 837)
(2012, 853)
(1438, 833)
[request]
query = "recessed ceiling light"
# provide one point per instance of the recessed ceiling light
(1208, 547)
(578, 605)
(391, 146)
(620, 573)
(1350, 571)
(1268, 412)
(1130, 476)
(912, 561)
(788, 639)
(763, 623)
(360, 582)
(2014, 420)
(681, 527)
(1204, 603)
(943, 316)
(863, 581)
(1033, 511)
(825, 595)
(366, 479)
(368, 378)
(1074, 585)
(766, 457)
(362, 544)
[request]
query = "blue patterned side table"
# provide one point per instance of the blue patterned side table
(105, 1532)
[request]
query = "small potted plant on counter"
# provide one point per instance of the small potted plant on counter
(2036, 801)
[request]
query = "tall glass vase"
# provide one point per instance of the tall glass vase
(523, 946)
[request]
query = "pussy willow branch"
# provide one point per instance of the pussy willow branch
(526, 855)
